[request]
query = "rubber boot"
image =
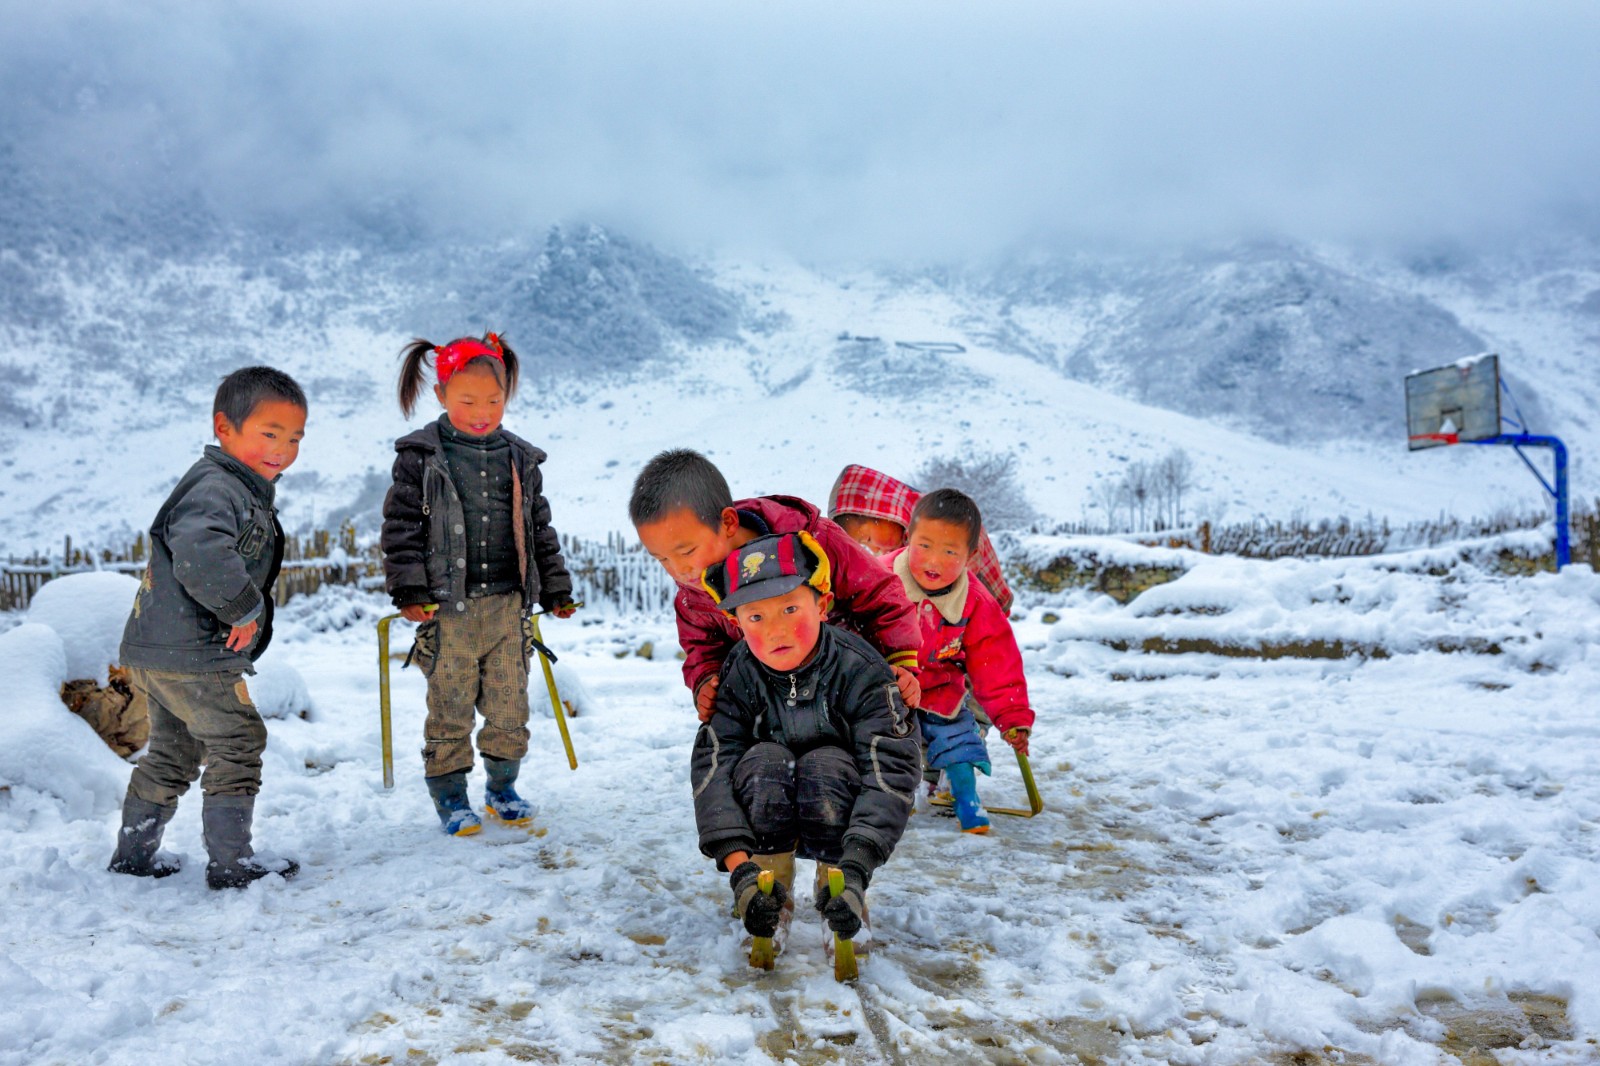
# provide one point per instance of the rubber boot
(139, 837)
(782, 866)
(225, 825)
(964, 790)
(449, 792)
(500, 797)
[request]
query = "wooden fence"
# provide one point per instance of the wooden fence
(617, 572)
(309, 562)
(614, 571)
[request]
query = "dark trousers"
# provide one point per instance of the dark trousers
(800, 804)
(195, 719)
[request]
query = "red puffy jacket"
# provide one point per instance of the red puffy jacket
(965, 635)
(866, 597)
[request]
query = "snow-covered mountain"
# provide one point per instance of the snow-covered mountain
(1277, 367)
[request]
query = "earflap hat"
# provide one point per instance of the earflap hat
(768, 566)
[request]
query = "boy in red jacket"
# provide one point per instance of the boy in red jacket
(965, 635)
(688, 521)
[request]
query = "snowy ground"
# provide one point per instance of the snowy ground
(1241, 860)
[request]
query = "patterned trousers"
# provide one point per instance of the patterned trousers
(479, 666)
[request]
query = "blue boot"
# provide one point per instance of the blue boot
(964, 790)
(501, 797)
(449, 792)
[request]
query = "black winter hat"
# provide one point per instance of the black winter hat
(768, 566)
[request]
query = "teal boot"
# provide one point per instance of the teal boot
(964, 790)
(449, 792)
(500, 796)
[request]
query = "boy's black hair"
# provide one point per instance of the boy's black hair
(953, 506)
(680, 477)
(242, 391)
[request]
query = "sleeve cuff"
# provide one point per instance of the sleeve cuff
(723, 848)
(410, 597)
(859, 853)
(906, 659)
(242, 608)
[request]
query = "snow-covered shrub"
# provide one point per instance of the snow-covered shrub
(278, 690)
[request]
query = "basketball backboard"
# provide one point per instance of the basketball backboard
(1455, 403)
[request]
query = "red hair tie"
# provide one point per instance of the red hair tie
(457, 354)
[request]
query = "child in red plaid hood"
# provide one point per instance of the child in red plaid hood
(875, 509)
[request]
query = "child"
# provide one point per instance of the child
(875, 509)
(202, 616)
(688, 521)
(810, 749)
(965, 635)
(468, 551)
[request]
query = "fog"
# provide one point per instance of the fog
(828, 129)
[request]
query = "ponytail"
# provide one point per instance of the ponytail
(509, 358)
(412, 357)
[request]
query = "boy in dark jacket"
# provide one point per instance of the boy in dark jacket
(810, 749)
(202, 616)
(688, 521)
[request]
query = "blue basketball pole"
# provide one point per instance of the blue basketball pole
(1559, 490)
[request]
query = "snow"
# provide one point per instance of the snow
(89, 612)
(45, 748)
(277, 689)
(599, 429)
(1241, 858)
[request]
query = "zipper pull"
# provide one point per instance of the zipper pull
(793, 692)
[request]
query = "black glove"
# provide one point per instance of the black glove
(843, 912)
(760, 910)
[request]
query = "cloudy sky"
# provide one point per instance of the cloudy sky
(829, 128)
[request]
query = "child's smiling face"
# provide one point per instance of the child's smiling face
(938, 552)
(686, 546)
(269, 440)
(783, 630)
(474, 400)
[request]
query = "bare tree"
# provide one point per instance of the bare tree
(990, 478)
(1176, 476)
(1140, 482)
(1108, 496)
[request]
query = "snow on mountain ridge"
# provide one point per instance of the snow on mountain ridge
(630, 350)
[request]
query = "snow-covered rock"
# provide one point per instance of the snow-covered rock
(44, 746)
(88, 612)
(569, 686)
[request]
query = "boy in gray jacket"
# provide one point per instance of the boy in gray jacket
(202, 616)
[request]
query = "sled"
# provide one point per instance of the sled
(763, 953)
(386, 731)
(1035, 803)
(844, 951)
(555, 697)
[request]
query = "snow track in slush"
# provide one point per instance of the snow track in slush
(1280, 862)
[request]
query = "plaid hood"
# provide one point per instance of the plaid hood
(865, 491)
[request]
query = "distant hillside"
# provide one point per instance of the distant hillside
(1267, 337)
